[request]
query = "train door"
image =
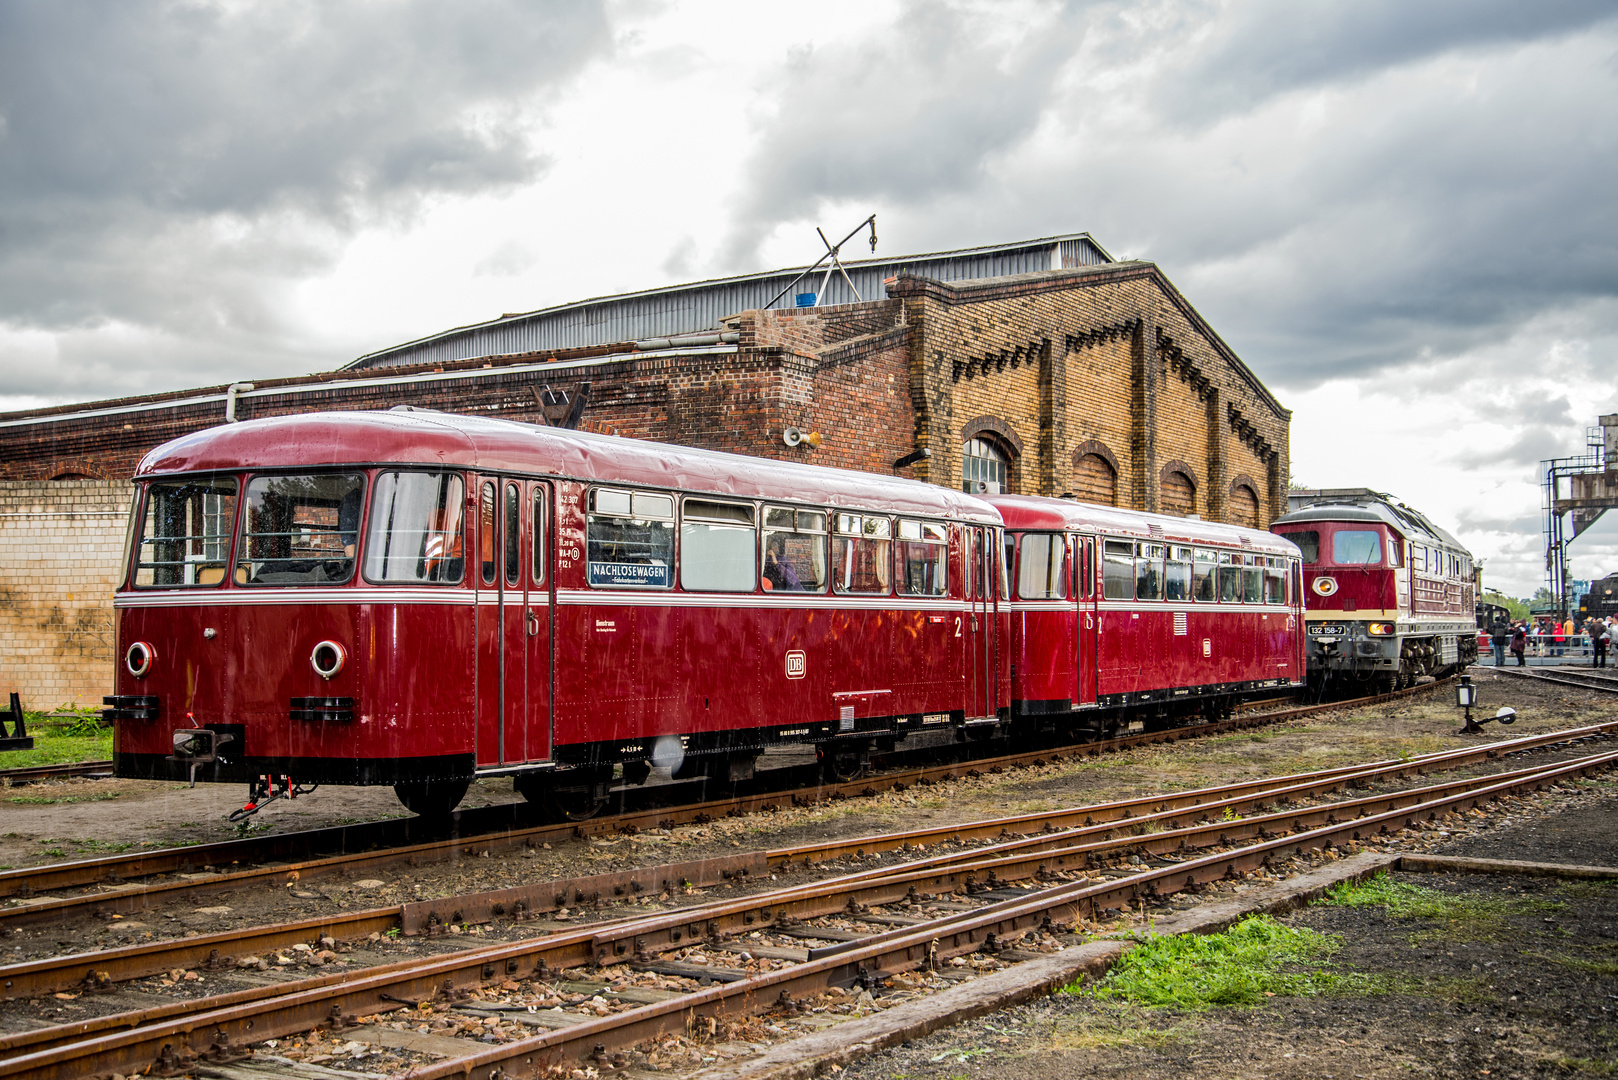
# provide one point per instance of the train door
(514, 623)
(1084, 590)
(979, 632)
(525, 621)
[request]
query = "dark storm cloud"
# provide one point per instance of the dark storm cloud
(168, 165)
(1341, 188)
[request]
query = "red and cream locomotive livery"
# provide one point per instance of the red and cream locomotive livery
(1391, 596)
(417, 598)
(1121, 618)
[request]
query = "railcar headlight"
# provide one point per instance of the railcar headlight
(327, 659)
(138, 659)
(1379, 629)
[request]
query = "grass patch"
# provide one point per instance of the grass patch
(1464, 916)
(1588, 1066)
(1244, 966)
(55, 800)
(84, 740)
(1604, 968)
(1113, 1026)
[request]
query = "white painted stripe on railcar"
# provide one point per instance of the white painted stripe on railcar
(1218, 609)
(802, 601)
(282, 597)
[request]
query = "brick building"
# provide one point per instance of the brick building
(1043, 367)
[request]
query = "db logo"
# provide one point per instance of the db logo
(1324, 586)
(797, 664)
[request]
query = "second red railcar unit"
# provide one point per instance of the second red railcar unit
(1120, 618)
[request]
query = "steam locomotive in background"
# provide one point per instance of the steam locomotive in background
(1391, 596)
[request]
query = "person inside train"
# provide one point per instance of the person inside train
(778, 570)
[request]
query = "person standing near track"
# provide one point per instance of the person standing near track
(1597, 629)
(1499, 634)
(1519, 646)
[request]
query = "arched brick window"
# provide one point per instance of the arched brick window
(989, 452)
(1095, 474)
(1178, 489)
(1243, 503)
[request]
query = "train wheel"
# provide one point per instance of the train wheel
(432, 798)
(576, 802)
(842, 764)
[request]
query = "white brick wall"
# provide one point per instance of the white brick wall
(61, 543)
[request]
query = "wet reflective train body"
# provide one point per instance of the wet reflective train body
(1391, 596)
(418, 599)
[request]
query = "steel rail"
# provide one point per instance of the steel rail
(1565, 677)
(98, 970)
(28, 774)
(124, 898)
(228, 1024)
(951, 935)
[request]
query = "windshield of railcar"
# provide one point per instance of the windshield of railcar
(1356, 547)
(1308, 540)
(415, 532)
(184, 534)
(300, 529)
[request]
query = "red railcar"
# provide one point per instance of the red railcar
(417, 598)
(1120, 617)
(1391, 596)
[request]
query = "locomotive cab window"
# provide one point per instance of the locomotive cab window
(1042, 567)
(1356, 547)
(1118, 570)
(1309, 541)
(629, 539)
(300, 530)
(860, 553)
(718, 544)
(415, 532)
(794, 550)
(184, 535)
(923, 558)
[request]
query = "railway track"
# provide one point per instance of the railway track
(100, 969)
(1040, 875)
(1584, 678)
(30, 774)
(116, 888)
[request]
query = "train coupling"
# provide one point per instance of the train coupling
(198, 746)
(265, 790)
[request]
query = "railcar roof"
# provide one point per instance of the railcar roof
(1038, 512)
(425, 437)
(1411, 524)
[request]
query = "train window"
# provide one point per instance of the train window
(1042, 567)
(860, 553)
(1118, 570)
(184, 535)
(1308, 540)
(539, 535)
(415, 528)
(1296, 596)
(794, 550)
(1177, 574)
(1275, 581)
(486, 520)
(718, 547)
(1084, 570)
(1230, 577)
(1149, 571)
(923, 558)
(1357, 547)
(1253, 579)
(1396, 553)
(1203, 577)
(629, 539)
(513, 534)
(300, 530)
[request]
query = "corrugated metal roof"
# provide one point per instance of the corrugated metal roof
(698, 307)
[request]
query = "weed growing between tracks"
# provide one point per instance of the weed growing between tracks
(1458, 916)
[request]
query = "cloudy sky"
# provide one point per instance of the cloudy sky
(1402, 215)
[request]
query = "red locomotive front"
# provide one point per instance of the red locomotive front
(1390, 595)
